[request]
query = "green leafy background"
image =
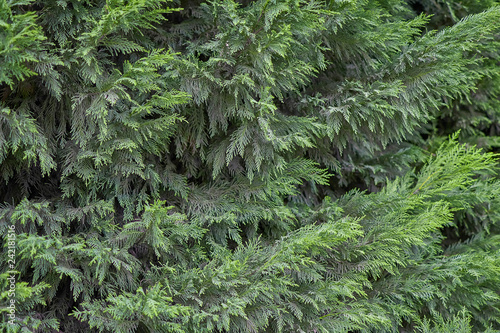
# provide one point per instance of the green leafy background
(251, 166)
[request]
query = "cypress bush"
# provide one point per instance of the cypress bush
(250, 166)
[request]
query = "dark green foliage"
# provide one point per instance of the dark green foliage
(250, 166)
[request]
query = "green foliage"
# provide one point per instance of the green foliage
(151, 309)
(459, 323)
(20, 42)
(250, 166)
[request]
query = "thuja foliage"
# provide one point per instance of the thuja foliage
(250, 166)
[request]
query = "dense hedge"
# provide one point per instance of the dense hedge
(250, 166)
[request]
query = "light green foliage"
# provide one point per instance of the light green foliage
(152, 310)
(250, 166)
(459, 323)
(20, 41)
